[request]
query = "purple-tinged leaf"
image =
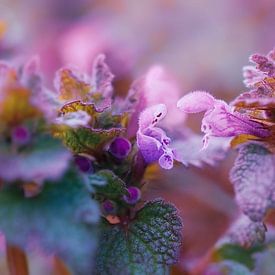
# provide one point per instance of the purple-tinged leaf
(253, 178)
(71, 85)
(47, 161)
(102, 77)
(245, 232)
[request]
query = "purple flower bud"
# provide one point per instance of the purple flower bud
(133, 195)
(20, 135)
(109, 207)
(120, 147)
(84, 164)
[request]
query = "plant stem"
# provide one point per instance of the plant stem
(17, 260)
(59, 267)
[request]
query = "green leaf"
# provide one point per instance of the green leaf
(106, 183)
(45, 159)
(61, 220)
(107, 120)
(236, 253)
(146, 245)
(88, 140)
(103, 127)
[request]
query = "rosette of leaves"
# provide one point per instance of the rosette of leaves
(93, 96)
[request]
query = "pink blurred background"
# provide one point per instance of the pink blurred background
(202, 43)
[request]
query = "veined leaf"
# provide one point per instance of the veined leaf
(253, 177)
(106, 183)
(87, 140)
(146, 245)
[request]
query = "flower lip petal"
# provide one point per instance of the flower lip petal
(196, 102)
(153, 141)
(152, 115)
(166, 161)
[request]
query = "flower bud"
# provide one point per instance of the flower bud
(108, 207)
(120, 148)
(84, 164)
(133, 195)
(20, 135)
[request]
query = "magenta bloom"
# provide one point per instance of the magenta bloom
(220, 119)
(153, 141)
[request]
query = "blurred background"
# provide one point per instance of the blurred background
(203, 43)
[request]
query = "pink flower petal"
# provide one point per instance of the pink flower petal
(152, 115)
(161, 86)
(196, 102)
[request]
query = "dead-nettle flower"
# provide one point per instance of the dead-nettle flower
(220, 119)
(152, 141)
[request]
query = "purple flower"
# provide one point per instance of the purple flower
(220, 119)
(153, 141)
(120, 147)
